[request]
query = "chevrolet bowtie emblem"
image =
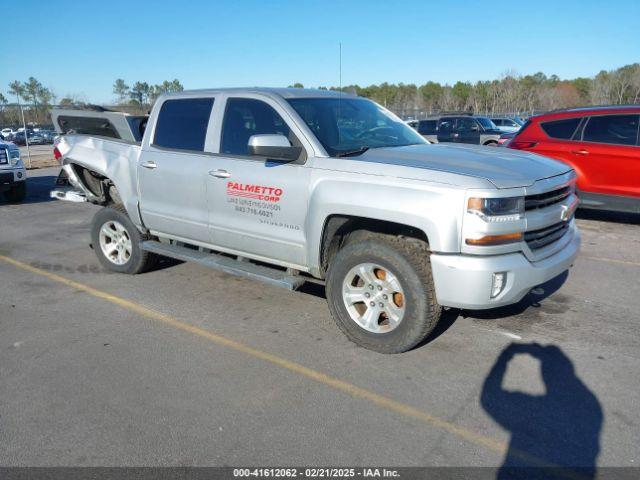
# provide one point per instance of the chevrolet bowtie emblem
(568, 211)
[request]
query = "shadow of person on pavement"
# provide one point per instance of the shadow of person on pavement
(558, 431)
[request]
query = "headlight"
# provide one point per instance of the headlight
(14, 156)
(505, 209)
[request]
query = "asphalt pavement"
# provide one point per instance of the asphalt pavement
(188, 366)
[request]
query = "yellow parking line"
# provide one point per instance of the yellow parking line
(327, 380)
(612, 260)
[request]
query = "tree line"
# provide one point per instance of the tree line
(142, 93)
(512, 93)
(38, 99)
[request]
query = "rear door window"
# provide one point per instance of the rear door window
(465, 124)
(427, 127)
(561, 129)
(614, 129)
(446, 124)
(182, 124)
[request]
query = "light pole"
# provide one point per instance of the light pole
(24, 124)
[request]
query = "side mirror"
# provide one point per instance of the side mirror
(475, 127)
(276, 147)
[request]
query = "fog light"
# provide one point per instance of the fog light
(498, 283)
(19, 174)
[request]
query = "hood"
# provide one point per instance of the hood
(503, 168)
(9, 145)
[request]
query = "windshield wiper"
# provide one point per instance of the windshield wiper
(351, 153)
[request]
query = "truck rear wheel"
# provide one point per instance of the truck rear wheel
(116, 241)
(380, 292)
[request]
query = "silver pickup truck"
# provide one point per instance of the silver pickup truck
(292, 185)
(13, 175)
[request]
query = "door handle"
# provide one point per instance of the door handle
(582, 151)
(219, 173)
(149, 164)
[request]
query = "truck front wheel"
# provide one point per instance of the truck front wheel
(380, 292)
(116, 241)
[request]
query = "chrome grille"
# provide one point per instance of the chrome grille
(542, 200)
(544, 236)
(4, 156)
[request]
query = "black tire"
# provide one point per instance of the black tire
(491, 143)
(17, 193)
(408, 260)
(139, 260)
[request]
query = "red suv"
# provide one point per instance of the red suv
(602, 145)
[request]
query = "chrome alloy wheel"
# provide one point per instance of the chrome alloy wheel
(373, 297)
(115, 242)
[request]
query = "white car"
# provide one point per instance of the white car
(508, 125)
(7, 133)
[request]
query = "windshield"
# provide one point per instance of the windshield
(353, 125)
(486, 123)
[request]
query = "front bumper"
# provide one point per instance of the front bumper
(465, 281)
(10, 177)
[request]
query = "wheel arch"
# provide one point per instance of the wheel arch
(103, 188)
(338, 227)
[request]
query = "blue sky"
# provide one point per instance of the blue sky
(81, 47)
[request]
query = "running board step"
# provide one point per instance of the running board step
(226, 264)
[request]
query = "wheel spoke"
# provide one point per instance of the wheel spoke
(394, 313)
(353, 294)
(110, 248)
(370, 317)
(392, 283)
(367, 274)
(107, 232)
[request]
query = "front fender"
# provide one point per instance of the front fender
(435, 210)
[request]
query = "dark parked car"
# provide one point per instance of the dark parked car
(35, 138)
(18, 138)
(472, 129)
(428, 128)
(48, 135)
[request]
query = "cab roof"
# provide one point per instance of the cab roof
(280, 92)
